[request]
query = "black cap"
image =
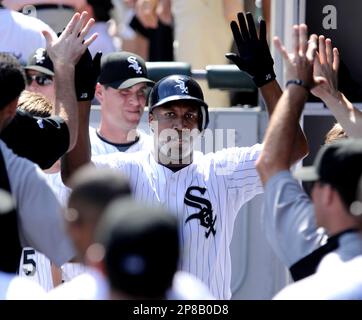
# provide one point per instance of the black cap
(121, 70)
(142, 248)
(40, 61)
(338, 164)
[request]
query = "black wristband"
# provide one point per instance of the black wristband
(264, 78)
(297, 82)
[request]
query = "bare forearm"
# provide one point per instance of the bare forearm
(65, 100)
(81, 153)
(271, 93)
(281, 133)
(346, 114)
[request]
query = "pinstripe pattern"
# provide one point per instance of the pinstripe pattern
(36, 267)
(206, 257)
(42, 273)
(72, 270)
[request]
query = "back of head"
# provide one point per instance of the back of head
(338, 164)
(35, 103)
(101, 9)
(97, 187)
(142, 248)
(336, 133)
(12, 79)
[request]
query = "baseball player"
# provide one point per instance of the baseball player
(122, 90)
(40, 74)
(33, 264)
(192, 185)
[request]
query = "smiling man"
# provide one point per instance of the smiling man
(122, 92)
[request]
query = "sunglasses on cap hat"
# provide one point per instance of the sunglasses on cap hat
(41, 80)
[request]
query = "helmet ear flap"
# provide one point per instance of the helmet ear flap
(204, 119)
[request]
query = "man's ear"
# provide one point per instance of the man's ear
(99, 92)
(151, 120)
(328, 195)
(11, 107)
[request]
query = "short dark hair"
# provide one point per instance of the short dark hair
(141, 248)
(98, 186)
(12, 79)
(339, 165)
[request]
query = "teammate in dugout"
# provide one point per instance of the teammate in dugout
(36, 205)
(205, 192)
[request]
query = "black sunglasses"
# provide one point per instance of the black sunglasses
(41, 80)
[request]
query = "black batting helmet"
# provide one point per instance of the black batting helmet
(177, 88)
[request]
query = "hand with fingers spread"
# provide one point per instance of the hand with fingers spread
(326, 67)
(254, 54)
(71, 44)
(299, 64)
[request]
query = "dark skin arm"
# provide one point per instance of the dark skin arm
(81, 153)
(255, 59)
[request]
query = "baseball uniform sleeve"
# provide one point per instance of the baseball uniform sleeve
(41, 224)
(288, 219)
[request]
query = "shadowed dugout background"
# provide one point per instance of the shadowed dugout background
(347, 37)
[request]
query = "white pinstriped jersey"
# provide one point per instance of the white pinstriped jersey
(33, 264)
(206, 197)
(71, 270)
(36, 267)
(100, 146)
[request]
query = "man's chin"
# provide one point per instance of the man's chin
(134, 117)
(176, 155)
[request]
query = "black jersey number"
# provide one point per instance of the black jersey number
(29, 265)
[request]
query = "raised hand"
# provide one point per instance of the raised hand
(299, 64)
(326, 67)
(71, 44)
(254, 54)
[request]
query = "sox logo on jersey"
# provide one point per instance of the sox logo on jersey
(205, 214)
